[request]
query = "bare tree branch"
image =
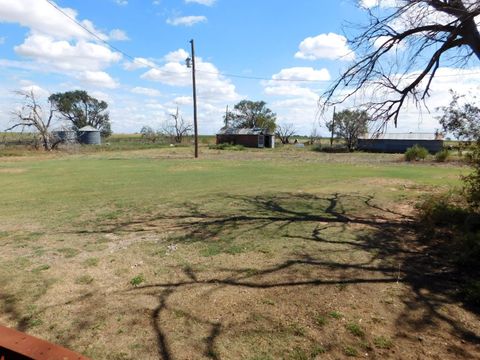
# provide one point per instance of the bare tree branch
(177, 128)
(400, 54)
(31, 115)
(284, 132)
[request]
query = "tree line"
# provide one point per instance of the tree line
(77, 108)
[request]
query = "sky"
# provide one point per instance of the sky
(245, 49)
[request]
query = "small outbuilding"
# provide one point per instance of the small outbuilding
(88, 135)
(399, 143)
(254, 137)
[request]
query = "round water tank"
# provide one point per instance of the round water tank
(89, 136)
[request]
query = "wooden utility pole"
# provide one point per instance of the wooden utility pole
(195, 125)
(333, 127)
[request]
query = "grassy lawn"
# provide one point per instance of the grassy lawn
(285, 254)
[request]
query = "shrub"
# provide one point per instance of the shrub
(442, 155)
(317, 148)
(137, 280)
(442, 210)
(383, 342)
(355, 329)
(472, 181)
(226, 146)
(334, 149)
(458, 225)
(416, 153)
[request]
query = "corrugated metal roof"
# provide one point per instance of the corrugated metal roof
(87, 129)
(401, 136)
(242, 131)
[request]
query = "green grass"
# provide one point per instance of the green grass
(355, 329)
(350, 351)
(320, 320)
(75, 189)
(137, 280)
(80, 235)
(382, 342)
(84, 280)
(335, 315)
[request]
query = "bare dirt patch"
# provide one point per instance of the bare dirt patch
(12, 170)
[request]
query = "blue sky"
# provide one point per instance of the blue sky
(42, 49)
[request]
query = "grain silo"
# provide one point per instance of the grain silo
(88, 135)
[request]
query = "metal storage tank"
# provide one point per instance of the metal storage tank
(68, 136)
(88, 135)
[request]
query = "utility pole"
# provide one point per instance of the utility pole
(333, 127)
(195, 124)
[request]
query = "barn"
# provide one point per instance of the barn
(399, 143)
(253, 137)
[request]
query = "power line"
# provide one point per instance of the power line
(156, 67)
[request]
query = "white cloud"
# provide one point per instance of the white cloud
(296, 82)
(177, 56)
(2, 40)
(121, 2)
(210, 83)
(98, 78)
(302, 74)
(202, 2)
(368, 4)
(138, 63)
(325, 46)
(38, 91)
(183, 100)
(146, 91)
(381, 40)
(118, 35)
(291, 90)
(42, 18)
(186, 20)
(65, 56)
(102, 96)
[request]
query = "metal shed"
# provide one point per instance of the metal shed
(400, 142)
(254, 137)
(88, 135)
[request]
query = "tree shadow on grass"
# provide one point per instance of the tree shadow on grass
(395, 255)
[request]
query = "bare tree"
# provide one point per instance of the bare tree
(32, 115)
(401, 50)
(284, 132)
(177, 128)
(149, 134)
(314, 134)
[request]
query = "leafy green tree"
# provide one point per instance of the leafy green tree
(461, 119)
(250, 114)
(82, 110)
(349, 125)
(149, 134)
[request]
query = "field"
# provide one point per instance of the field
(256, 255)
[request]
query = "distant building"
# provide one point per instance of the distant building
(254, 137)
(399, 143)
